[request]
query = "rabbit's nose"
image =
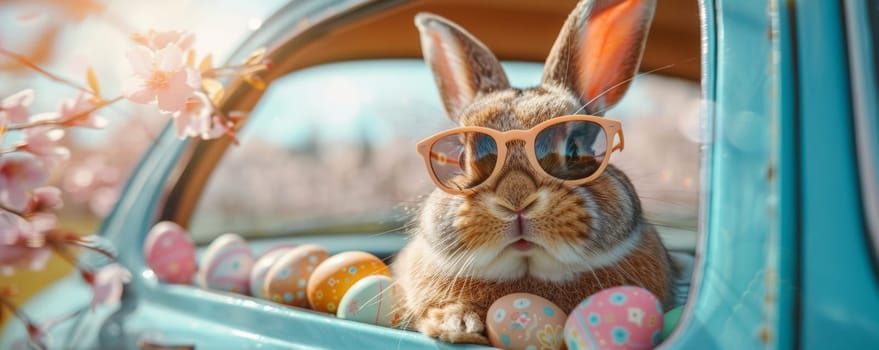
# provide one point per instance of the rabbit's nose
(516, 192)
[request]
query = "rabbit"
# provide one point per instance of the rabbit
(462, 255)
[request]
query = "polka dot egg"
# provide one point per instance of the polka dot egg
(371, 300)
(170, 253)
(287, 279)
(616, 318)
(261, 268)
(332, 278)
(226, 265)
(525, 321)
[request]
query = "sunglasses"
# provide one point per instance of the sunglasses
(573, 149)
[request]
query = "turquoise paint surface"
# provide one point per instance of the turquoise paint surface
(840, 298)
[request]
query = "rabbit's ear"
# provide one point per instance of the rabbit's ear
(462, 66)
(599, 49)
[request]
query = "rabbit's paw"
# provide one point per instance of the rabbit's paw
(453, 323)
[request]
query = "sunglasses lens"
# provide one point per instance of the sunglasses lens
(463, 160)
(571, 150)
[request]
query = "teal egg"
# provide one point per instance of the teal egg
(670, 320)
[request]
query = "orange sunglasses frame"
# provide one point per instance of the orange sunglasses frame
(611, 128)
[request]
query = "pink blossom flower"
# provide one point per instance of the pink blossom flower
(46, 198)
(16, 230)
(19, 173)
(14, 107)
(22, 243)
(40, 223)
(12, 228)
(162, 77)
(108, 282)
(19, 256)
(42, 141)
(72, 107)
(158, 40)
(197, 119)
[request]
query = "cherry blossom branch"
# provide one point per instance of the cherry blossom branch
(26, 62)
(3, 207)
(101, 104)
(230, 132)
(15, 148)
(57, 240)
(4, 302)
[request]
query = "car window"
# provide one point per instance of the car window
(333, 147)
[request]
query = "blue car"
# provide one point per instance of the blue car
(758, 167)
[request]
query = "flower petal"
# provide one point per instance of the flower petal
(213, 130)
(10, 227)
(186, 40)
(193, 78)
(136, 90)
(21, 98)
(48, 197)
(169, 59)
(72, 106)
(181, 124)
(108, 284)
(43, 117)
(173, 97)
(141, 60)
(39, 257)
(94, 121)
(15, 106)
(19, 172)
(14, 198)
(160, 39)
(40, 223)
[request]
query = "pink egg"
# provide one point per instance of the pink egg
(170, 253)
(616, 318)
(226, 265)
(525, 321)
(261, 268)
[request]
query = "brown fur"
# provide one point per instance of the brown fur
(644, 268)
(460, 258)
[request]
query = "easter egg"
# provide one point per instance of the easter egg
(616, 318)
(170, 253)
(372, 300)
(225, 265)
(261, 268)
(332, 278)
(286, 280)
(670, 321)
(525, 321)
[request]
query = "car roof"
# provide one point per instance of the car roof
(520, 30)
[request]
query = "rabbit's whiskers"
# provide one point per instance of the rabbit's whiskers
(625, 81)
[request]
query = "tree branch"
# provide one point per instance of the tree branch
(26, 62)
(47, 122)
